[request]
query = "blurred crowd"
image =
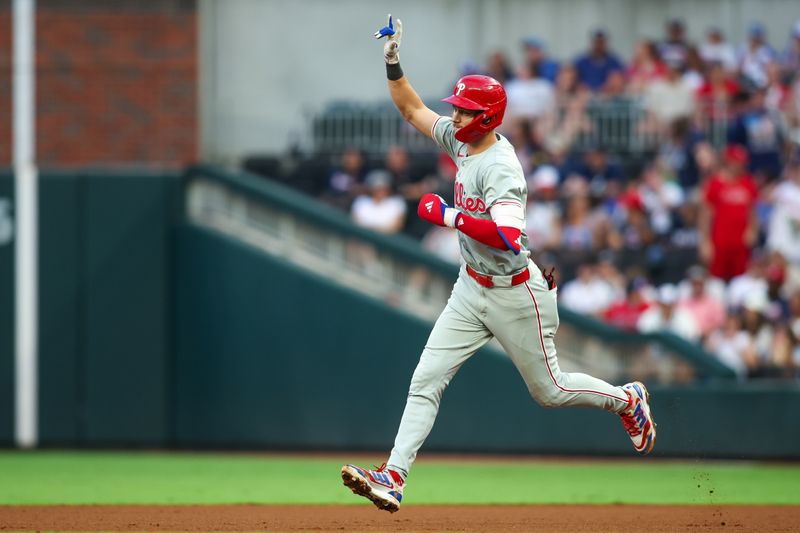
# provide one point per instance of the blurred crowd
(731, 205)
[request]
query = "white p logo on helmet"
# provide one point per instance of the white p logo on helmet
(460, 87)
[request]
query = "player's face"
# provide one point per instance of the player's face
(462, 117)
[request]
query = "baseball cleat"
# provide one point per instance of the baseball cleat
(637, 419)
(383, 487)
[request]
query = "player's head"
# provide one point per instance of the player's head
(483, 95)
(736, 157)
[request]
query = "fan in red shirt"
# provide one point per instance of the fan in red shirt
(728, 224)
(625, 313)
(715, 95)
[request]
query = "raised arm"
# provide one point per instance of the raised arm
(405, 98)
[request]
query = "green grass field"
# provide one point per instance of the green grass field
(51, 477)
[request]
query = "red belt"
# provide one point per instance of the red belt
(486, 281)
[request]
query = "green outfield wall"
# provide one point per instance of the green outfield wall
(267, 356)
(6, 311)
(157, 333)
(104, 305)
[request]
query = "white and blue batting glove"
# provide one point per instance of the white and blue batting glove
(393, 35)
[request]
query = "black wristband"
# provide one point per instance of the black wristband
(393, 71)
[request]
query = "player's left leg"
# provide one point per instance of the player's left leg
(524, 319)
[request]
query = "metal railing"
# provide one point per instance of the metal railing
(344, 259)
(618, 126)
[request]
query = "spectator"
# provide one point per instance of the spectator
(410, 183)
(777, 308)
(635, 231)
(660, 196)
(674, 48)
(715, 96)
(783, 351)
(685, 234)
(599, 170)
(784, 224)
(614, 91)
(595, 65)
(608, 272)
(706, 309)
(732, 346)
(677, 152)
(728, 226)
(529, 96)
(759, 131)
(538, 62)
(752, 281)
(347, 181)
(625, 313)
(397, 163)
(668, 100)
(754, 56)
(715, 49)
(587, 293)
(707, 159)
(543, 221)
(694, 70)
(792, 115)
(645, 67)
(379, 210)
(794, 330)
(778, 94)
(526, 142)
(759, 359)
(499, 67)
(790, 58)
(577, 231)
(666, 317)
(444, 180)
(570, 119)
(440, 182)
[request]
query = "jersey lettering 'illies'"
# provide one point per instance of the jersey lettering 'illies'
(493, 177)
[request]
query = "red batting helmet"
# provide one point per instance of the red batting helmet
(479, 93)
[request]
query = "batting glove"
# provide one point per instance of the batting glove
(393, 35)
(435, 210)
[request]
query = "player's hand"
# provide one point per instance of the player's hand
(393, 35)
(435, 210)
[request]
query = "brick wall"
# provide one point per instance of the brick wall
(116, 83)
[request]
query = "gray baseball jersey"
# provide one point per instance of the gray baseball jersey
(523, 317)
(493, 177)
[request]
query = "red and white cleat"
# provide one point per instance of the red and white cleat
(382, 486)
(637, 419)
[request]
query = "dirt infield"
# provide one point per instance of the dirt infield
(501, 518)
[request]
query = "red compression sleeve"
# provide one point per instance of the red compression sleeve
(487, 232)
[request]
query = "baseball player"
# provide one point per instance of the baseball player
(500, 291)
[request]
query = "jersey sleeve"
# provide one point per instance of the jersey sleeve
(444, 133)
(504, 185)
